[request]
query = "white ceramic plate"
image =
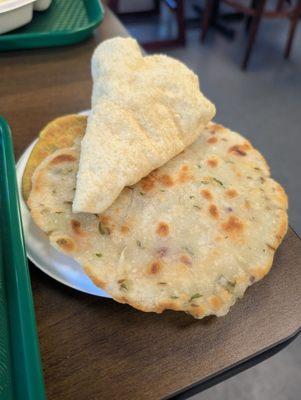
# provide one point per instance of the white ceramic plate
(55, 264)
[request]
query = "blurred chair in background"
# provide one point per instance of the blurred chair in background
(175, 6)
(290, 10)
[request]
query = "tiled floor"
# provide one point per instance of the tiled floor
(264, 104)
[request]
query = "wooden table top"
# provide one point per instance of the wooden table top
(95, 348)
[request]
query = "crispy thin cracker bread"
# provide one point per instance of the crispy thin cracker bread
(145, 110)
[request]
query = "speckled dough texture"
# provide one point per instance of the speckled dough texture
(145, 110)
(191, 236)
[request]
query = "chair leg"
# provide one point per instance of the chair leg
(157, 7)
(249, 18)
(279, 5)
(293, 25)
(181, 22)
(208, 10)
(253, 31)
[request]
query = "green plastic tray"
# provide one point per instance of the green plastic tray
(20, 366)
(65, 22)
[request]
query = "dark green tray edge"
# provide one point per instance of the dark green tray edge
(26, 363)
(6, 386)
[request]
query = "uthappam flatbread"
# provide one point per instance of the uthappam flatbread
(59, 133)
(145, 110)
(191, 236)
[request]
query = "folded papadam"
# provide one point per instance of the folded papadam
(145, 110)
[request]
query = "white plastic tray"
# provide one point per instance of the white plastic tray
(16, 13)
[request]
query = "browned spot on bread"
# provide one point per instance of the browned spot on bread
(168, 305)
(65, 244)
(75, 225)
(212, 140)
(233, 225)
(121, 299)
(185, 259)
(258, 272)
(282, 195)
(97, 281)
(38, 182)
(281, 230)
(184, 175)
(166, 180)
(238, 150)
(63, 158)
(247, 204)
(215, 128)
(216, 303)
(105, 219)
(246, 146)
(124, 229)
(105, 226)
(162, 229)
(197, 311)
(224, 294)
(212, 163)
(171, 305)
(231, 193)
(148, 183)
(207, 194)
(213, 211)
(155, 267)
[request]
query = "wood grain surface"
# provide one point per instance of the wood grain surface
(94, 348)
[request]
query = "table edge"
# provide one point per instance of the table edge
(234, 369)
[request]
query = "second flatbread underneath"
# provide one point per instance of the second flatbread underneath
(60, 133)
(191, 236)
